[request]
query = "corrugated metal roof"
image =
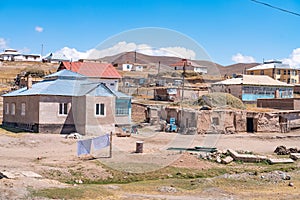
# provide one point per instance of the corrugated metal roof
(93, 69)
(261, 80)
(271, 66)
(65, 73)
(62, 83)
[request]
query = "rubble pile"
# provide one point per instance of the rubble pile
(282, 150)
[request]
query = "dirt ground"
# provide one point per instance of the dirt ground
(35, 161)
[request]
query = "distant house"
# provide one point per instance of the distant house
(14, 55)
(133, 67)
(276, 70)
(55, 58)
(189, 66)
(249, 88)
(166, 94)
(66, 102)
(103, 72)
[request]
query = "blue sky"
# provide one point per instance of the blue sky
(228, 30)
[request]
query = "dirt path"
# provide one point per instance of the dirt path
(51, 155)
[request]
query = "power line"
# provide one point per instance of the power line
(274, 7)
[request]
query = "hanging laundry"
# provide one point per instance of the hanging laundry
(101, 141)
(84, 147)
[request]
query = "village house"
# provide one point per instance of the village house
(133, 67)
(249, 88)
(189, 66)
(55, 58)
(14, 55)
(101, 72)
(66, 102)
(276, 70)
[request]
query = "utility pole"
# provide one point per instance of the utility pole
(182, 92)
(135, 56)
(158, 69)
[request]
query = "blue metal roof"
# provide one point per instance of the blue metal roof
(65, 74)
(67, 83)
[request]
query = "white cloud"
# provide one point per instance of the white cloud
(294, 58)
(39, 29)
(72, 53)
(3, 43)
(239, 58)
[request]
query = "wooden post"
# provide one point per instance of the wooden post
(110, 145)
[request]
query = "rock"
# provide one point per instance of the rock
(2, 176)
(295, 156)
(74, 136)
(293, 150)
(227, 160)
(281, 150)
(79, 181)
(291, 184)
(168, 189)
(218, 160)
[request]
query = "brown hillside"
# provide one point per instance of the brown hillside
(165, 61)
(239, 68)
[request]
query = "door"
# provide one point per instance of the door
(250, 124)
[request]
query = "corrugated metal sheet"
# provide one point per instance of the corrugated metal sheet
(93, 69)
(261, 80)
(62, 83)
(272, 66)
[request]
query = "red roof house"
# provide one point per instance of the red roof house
(102, 72)
(92, 69)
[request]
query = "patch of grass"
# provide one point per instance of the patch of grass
(77, 192)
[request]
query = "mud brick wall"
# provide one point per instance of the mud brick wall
(138, 112)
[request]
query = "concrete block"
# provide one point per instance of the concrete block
(280, 160)
(227, 160)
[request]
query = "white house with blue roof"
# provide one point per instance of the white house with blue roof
(66, 102)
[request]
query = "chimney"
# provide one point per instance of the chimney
(29, 82)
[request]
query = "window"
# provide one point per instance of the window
(7, 108)
(278, 71)
(123, 106)
(284, 72)
(289, 72)
(262, 72)
(251, 73)
(63, 109)
(23, 108)
(100, 109)
(128, 66)
(215, 121)
(13, 109)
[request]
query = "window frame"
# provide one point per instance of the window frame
(100, 110)
(13, 109)
(23, 109)
(63, 109)
(6, 109)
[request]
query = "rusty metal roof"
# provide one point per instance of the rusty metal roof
(92, 69)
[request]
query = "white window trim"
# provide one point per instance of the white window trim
(7, 108)
(99, 115)
(13, 109)
(63, 109)
(23, 109)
